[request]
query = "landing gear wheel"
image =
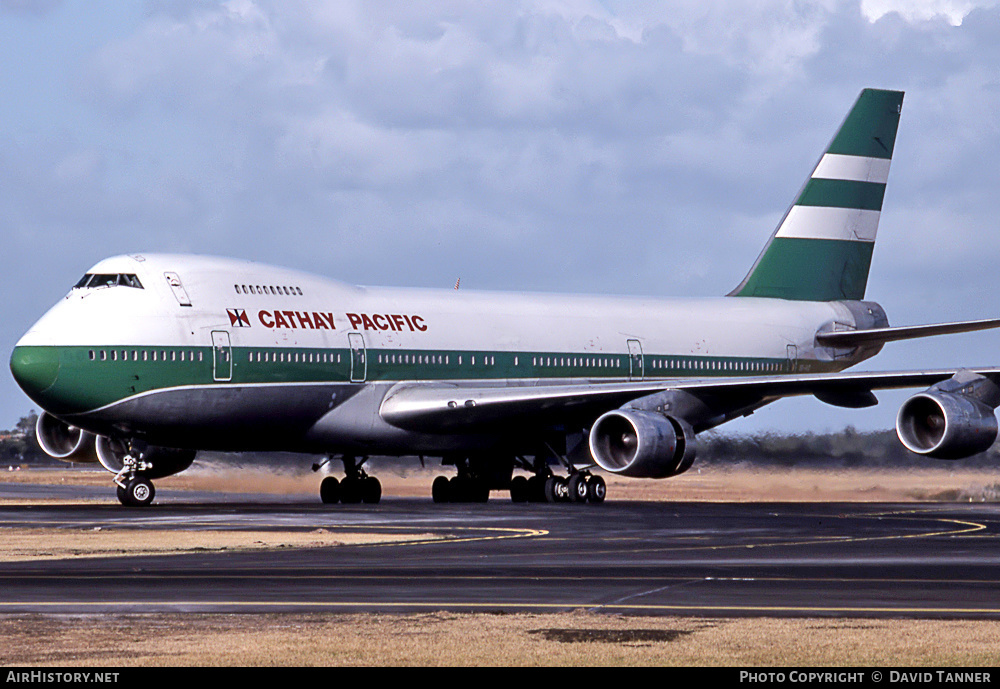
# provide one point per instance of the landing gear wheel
(556, 489)
(138, 492)
(597, 490)
(578, 487)
(371, 490)
(350, 491)
(519, 490)
(536, 489)
(329, 490)
(441, 489)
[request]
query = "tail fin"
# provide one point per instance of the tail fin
(822, 248)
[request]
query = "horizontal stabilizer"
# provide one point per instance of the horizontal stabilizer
(856, 338)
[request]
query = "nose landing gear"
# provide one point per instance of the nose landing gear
(134, 490)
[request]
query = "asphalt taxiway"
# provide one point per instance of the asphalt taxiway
(650, 558)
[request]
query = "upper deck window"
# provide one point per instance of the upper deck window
(91, 280)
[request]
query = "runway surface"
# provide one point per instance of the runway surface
(650, 558)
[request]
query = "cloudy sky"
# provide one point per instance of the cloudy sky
(555, 145)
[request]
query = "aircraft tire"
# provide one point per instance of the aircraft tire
(462, 489)
(556, 489)
(578, 489)
(597, 490)
(139, 492)
(329, 490)
(519, 489)
(350, 491)
(536, 489)
(441, 490)
(371, 491)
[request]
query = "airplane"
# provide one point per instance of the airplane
(151, 357)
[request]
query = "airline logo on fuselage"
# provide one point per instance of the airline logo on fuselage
(386, 321)
(238, 318)
(307, 320)
(320, 320)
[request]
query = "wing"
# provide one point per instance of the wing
(439, 407)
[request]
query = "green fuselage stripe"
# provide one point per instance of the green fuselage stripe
(91, 378)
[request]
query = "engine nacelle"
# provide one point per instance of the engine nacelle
(945, 425)
(642, 444)
(164, 461)
(63, 441)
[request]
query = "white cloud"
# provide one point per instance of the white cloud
(547, 144)
(953, 11)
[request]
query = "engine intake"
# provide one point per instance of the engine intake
(945, 425)
(164, 461)
(63, 441)
(642, 444)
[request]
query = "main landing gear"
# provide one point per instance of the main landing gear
(356, 487)
(579, 486)
(476, 477)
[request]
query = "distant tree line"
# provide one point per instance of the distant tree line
(18, 445)
(846, 448)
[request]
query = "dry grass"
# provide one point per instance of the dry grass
(445, 639)
(53, 544)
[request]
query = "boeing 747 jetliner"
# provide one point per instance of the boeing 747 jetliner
(150, 358)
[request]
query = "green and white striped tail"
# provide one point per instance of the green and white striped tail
(822, 248)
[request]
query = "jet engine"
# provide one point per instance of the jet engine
(952, 419)
(163, 461)
(63, 441)
(642, 444)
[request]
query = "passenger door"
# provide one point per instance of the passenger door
(635, 371)
(222, 356)
(359, 366)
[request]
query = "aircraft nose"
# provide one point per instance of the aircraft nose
(34, 368)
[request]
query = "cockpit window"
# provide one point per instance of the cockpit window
(92, 280)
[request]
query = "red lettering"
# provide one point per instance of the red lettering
(419, 326)
(304, 320)
(409, 323)
(279, 320)
(379, 317)
(355, 320)
(291, 318)
(319, 321)
(262, 321)
(329, 319)
(398, 320)
(367, 322)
